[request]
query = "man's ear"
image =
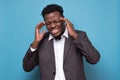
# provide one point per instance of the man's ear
(64, 24)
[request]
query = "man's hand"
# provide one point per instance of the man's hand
(70, 27)
(38, 36)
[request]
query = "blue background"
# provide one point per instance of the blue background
(99, 18)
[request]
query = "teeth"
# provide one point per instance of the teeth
(54, 31)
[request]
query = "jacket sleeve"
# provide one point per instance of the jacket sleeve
(86, 48)
(30, 60)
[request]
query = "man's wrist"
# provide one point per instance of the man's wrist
(75, 36)
(34, 44)
(32, 49)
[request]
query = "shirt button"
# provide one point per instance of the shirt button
(53, 73)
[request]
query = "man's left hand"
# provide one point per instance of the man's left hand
(70, 28)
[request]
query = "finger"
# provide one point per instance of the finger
(43, 32)
(66, 20)
(40, 25)
(62, 19)
(69, 25)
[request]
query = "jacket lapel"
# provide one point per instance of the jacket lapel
(68, 42)
(51, 52)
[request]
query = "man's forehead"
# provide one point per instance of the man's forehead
(52, 15)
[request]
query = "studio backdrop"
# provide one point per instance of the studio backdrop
(99, 18)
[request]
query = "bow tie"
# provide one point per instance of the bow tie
(57, 38)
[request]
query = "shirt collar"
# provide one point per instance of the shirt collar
(65, 34)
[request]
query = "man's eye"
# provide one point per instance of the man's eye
(48, 23)
(56, 21)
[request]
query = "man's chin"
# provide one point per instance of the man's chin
(55, 34)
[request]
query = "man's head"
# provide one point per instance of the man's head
(51, 8)
(52, 14)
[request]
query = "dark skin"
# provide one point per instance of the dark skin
(54, 23)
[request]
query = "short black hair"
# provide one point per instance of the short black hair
(51, 8)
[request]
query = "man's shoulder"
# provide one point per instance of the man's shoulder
(80, 32)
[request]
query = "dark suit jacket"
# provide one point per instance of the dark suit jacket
(73, 57)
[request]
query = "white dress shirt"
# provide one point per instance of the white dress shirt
(59, 54)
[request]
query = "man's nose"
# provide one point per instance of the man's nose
(53, 25)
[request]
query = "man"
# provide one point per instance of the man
(59, 52)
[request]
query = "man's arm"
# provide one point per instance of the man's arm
(30, 60)
(82, 42)
(86, 48)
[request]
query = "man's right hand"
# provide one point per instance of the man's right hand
(38, 36)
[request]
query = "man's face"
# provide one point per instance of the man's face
(53, 23)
